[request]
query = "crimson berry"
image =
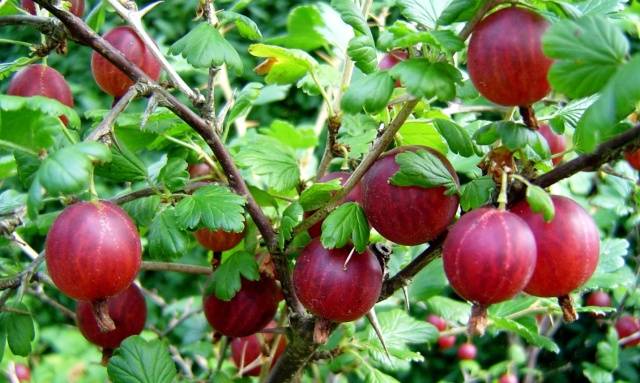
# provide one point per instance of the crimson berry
(467, 351)
(245, 350)
(446, 342)
(627, 326)
(633, 158)
(353, 196)
(599, 299)
(128, 311)
(77, 7)
(406, 215)
(93, 252)
(568, 247)
(557, 143)
(23, 373)
(508, 378)
(249, 311)
(437, 321)
(218, 240)
(334, 286)
(111, 79)
(199, 170)
(389, 60)
(505, 60)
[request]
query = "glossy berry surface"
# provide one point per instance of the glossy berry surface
(77, 7)
(406, 215)
(23, 372)
(331, 290)
(505, 59)
(127, 310)
(557, 143)
(633, 158)
(627, 326)
(111, 79)
(245, 350)
(437, 321)
(489, 245)
(93, 250)
(446, 342)
(467, 351)
(218, 240)
(40, 80)
(568, 247)
(508, 378)
(355, 195)
(248, 312)
(599, 299)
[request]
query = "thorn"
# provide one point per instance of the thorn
(346, 261)
(373, 319)
(148, 8)
(405, 292)
(152, 104)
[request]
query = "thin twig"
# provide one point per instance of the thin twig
(109, 120)
(39, 293)
(175, 267)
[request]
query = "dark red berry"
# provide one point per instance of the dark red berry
(489, 245)
(446, 342)
(599, 299)
(199, 170)
(249, 311)
(505, 60)
(437, 321)
(633, 158)
(127, 310)
(467, 351)
(389, 60)
(627, 326)
(508, 378)
(557, 143)
(406, 215)
(23, 372)
(245, 350)
(111, 79)
(353, 196)
(332, 288)
(568, 247)
(77, 7)
(218, 240)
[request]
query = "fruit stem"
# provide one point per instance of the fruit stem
(502, 197)
(478, 321)
(568, 311)
(101, 314)
(321, 330)
(106, 355)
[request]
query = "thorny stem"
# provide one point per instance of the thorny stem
(105, 126)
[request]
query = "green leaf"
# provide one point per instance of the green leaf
(66, 171)
(517, 136)
(612, 253)
(596, 374)
(418, 132)
(205, 47)
(143, 210)
(288, 134)
(96, 151)
(346, 224)
(244, 102)
(3, 341)
(449, 309)
(357, 131)
(423, 169)
(363, 52)
(526, 334)
(315, 196)
(425, 79)
(27, 166)
(124, 165)
(285, 66)
(42, 105)
(167, 240)
(267, 157)
(34, 198)
(226, 278)
(371, 93)
(399, 329)
(460, 10)
(19, 329)
(174, 175)
(352, 15)
(607, 351)
(10, 200)
(458, 139)
(291, 217)
(422, 12)
(617, 100)
(477, 193)
(486, 135)
(540, 202)
(588, 51)
(246, 27)
(214, 207)
(140, 361)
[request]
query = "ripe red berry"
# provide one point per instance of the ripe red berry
(111, 79)
(77, 7)
(245, 350)
(568, 247)
(599, 298)
(389, 60)
(505, 60)
(93, 253)
(467, 351)
(489, 245)
(249, 311)
(406, 215)
(508, 378)
(557, 143)
(41, 80)
(332, 288)
(199, 170)
(446, 342)
(437, 321)
(128, 311)
(23, 373)
(218, 240)
(353, 196)
(627, 326)
(633, 158)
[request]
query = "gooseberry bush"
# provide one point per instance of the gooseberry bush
(325, 191)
